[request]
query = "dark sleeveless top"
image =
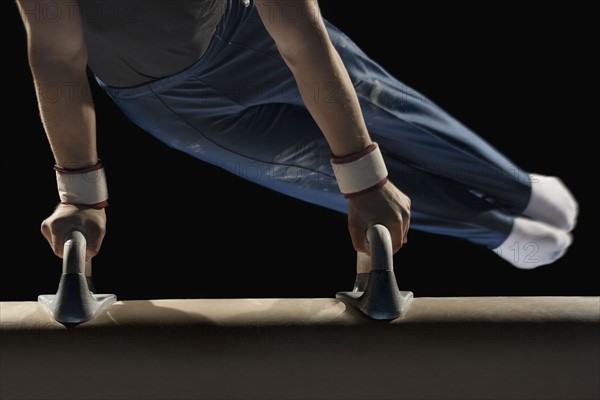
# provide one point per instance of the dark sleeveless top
(132, 42)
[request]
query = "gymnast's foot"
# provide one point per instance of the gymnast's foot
(532, 244)
(551, 202)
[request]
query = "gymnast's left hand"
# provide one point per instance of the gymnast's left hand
(387, 206)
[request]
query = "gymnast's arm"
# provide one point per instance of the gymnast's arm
(58, 58)
(328, 93)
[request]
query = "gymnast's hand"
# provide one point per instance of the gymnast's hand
(387, 206)
(89, 221)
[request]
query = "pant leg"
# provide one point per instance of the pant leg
(239, 108)
(445, 207)
(413, 128)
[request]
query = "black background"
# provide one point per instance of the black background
(516, 77)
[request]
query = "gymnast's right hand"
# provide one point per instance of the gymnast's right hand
(67, 217)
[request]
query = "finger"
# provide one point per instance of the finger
(397, 235)
(406, 226)
(359, 240)
(94, 242)
(92, 250)
(406, 219)
(59, 236)
(361, 244)
(397, 244)
(45, 229)
(58, 241)
(52, 237)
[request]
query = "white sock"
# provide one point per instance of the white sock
(552, 202)
(532, 244)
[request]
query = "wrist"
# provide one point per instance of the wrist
(349, 150)
(82, 186)
(76, 165)
(361, 172)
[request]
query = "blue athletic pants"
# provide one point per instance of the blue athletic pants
(238, 107)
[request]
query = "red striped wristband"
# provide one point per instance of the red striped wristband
(361, 172)
(82, 186)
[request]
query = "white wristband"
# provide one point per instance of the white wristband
(360, 172)
(83, 187)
